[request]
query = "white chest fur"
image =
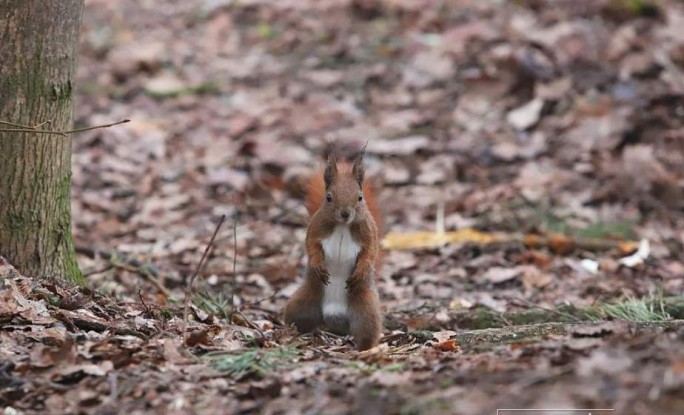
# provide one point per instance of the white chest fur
(340, 256)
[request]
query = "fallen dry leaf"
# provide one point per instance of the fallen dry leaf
(497, 275)
(447, 346)
(527, 115)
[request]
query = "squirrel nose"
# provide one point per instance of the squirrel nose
(345, 214)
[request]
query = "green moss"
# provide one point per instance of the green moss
(447, 383)
(266, 31)
(675, 309)
(204, 88)
(421, 335)
(483, 318)
(61, 92)
(410, 410)
(621, 230)
(72, 272)
(643, 8)
(507, 335)
(16, 223)
(9, 85)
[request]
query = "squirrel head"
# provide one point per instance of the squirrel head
(344, 197)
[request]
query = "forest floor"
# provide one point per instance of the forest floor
(530, 117)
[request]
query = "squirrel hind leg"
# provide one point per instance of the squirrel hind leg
(303, 310)
(365, 319)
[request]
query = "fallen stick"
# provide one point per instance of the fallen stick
(35, 128)
(119, 260)
(188, 289)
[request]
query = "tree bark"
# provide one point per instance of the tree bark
(38, 49)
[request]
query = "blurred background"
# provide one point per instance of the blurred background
(521, 116)
(516, 117)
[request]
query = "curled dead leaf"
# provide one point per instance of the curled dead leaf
(449, 345)
(375, 354)
(203, 336)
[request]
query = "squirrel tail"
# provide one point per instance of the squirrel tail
(314, 192)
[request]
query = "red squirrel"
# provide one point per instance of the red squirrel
(342, 243)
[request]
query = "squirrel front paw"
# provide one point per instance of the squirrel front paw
(362, 272)
(354, 281)
(322, 273)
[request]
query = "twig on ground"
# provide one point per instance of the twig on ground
(99, 325)
(35, 129)
(256, 302)
(188, 289)
(391, 337)
(142, 300)
(503, 318)
(233, 285)
(249, 322)
(238, 311)
(550, 310)
(98, 271)
(118, 260)
(117, 257)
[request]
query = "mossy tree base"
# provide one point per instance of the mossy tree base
(38, 49)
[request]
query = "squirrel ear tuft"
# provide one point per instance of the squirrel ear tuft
(358, 169)
(330, 170)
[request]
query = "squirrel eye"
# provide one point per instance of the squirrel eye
(360, 198)
(328, 197)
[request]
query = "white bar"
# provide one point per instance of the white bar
(554, 409)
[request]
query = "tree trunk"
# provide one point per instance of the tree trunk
(38, 47)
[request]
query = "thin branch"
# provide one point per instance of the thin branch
(233, 287)
(249, 322)
(142, 300)
(257, 302)
(34, 129)
(42, 124)
(98, 271)
(122, 261)
(549, 310)
(188, 289)
(24, 126)
(27, 130)
(80, 130)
